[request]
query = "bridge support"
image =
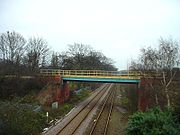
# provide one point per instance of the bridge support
(65, 91)
(56, 90)
(142, 96)
(62, 92)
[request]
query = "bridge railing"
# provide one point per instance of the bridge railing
(91, 73)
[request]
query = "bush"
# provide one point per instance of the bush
(16, 120)
(59, 112)
(152, 122)
(176, 115)
(77, 97)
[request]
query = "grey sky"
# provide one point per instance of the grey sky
(118, 28)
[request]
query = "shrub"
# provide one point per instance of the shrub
(152, 122)
(59, 112)
(176, 115)
(17, 120)
(77, 97)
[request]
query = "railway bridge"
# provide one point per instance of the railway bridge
(94, 75)
(64, 76)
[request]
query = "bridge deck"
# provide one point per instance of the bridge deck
(106, 80)
(94, 75)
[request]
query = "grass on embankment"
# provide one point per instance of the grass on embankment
(18, 116)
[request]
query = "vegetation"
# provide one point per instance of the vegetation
(153, 122)
(65, 108)
(20, 61)
(11, 88)
(24, 116)
(161, 89)
(161, 63)
(59, 112)
(19, 56)
(129, 98)
(20, 119)
(83, 57)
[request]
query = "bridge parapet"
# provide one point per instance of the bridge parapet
(92, 73)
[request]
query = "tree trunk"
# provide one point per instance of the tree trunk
(167, 97)
(156, 97)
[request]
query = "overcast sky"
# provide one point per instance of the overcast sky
(117, 28)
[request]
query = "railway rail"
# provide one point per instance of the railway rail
(100, 126)
(73, 124)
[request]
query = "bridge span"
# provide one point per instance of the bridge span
(63, 76)
(94, 75)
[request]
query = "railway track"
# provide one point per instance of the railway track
(100, 126)
(72, 125)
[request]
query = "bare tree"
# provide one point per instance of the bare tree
(81, 56)
(12, 49)
(56, 60)
(77, 54)
(161, 61)
(167, 59)
(37, 49)
(79, 50)
(12, 46)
